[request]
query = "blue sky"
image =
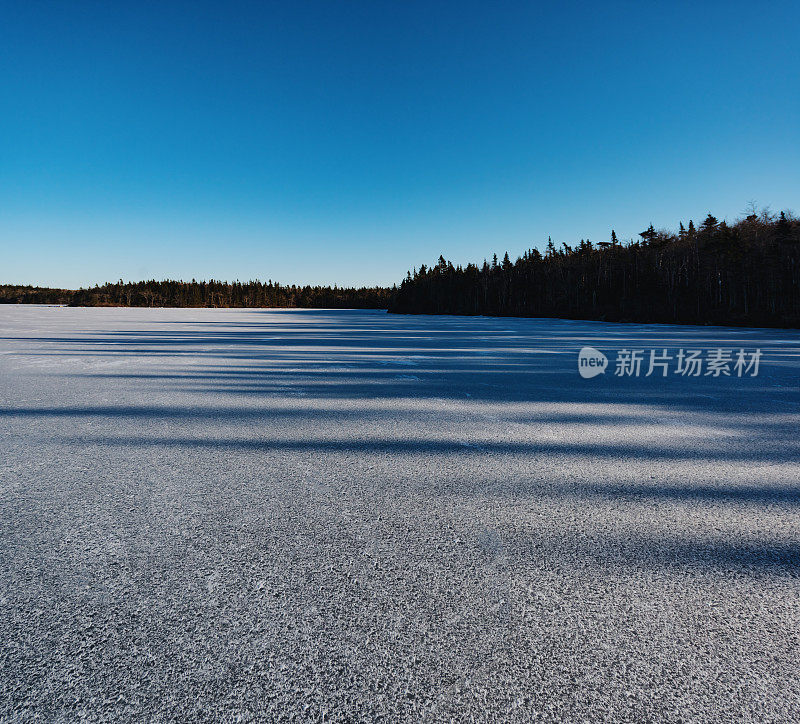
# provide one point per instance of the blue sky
(322, 142)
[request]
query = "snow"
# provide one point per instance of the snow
(291, 514)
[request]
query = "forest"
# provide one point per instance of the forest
(202, 294)
(743, 273)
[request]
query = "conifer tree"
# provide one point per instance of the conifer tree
(709, 224)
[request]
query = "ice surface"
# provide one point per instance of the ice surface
(348, 515)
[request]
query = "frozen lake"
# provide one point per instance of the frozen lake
(343, 515)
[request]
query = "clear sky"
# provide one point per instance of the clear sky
(322, 142)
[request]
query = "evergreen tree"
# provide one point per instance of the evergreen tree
(648, 234)
(709, 224)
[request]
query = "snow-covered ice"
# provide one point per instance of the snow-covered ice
(314, 515)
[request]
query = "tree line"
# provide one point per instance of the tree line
(202, 294)
(746, 272)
